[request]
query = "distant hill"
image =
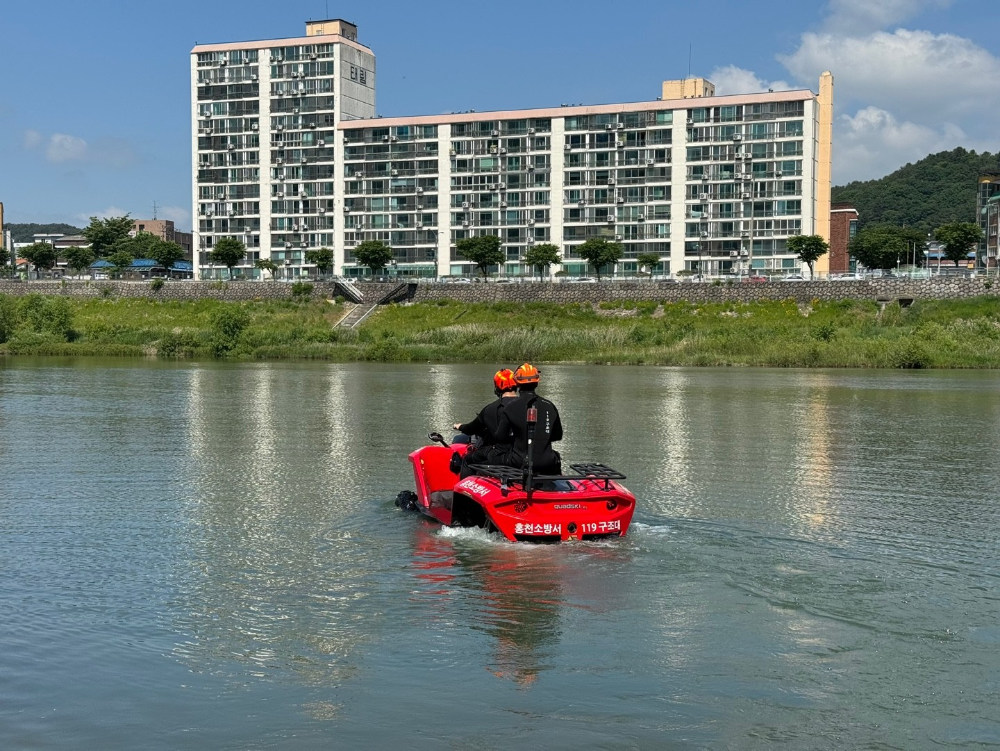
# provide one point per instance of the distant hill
(938, 189)
(23, 233)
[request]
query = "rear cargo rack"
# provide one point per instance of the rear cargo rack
(515, 477)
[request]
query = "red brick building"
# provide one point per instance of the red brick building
(843, 227)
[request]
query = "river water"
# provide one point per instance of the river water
(202, 556)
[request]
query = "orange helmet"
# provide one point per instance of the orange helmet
(527, 373)
(503, 380)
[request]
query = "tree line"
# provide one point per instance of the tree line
(884, 246)
(110, 239)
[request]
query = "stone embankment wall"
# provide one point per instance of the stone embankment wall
(171, 290)
(937, 288)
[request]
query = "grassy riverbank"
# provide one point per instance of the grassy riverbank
(932, 334)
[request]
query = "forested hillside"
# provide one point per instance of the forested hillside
(938, 189)
(22, 233)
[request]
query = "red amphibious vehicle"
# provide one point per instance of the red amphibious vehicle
(589, 504)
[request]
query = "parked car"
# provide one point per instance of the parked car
(582, 280)
(845, 278)
(793, 278)
(756, 279)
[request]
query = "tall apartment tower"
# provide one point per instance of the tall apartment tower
(264, 120)
(713, 184)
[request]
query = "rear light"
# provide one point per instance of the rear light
(520, 507)
(612, 504)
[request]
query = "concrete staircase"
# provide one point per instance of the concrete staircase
(358, 313)
(362, 310)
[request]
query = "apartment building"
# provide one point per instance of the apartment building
(715, 184)
(289, 156)
(987, 213)
(264, 116)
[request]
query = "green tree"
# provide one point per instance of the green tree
(374, 254)
(808, 249)
(4, 262)
(42, 256)
(120, 260)
(880, 246)
(599, 252)
(228, 251)
(140, 245)
(958, 239)
(649, 260)
(102, 234)
(266, 264)
(484, 251)
(321, 258)
(166, 254)
(542, 256)
(79, 258)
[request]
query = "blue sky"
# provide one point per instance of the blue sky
(94, 97)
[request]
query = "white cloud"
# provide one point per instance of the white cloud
(32, 139)
(730, 79)
(179, 216)
(916, 74)
(864, 16)
(65, 148)
(105, 214)
(873, 143)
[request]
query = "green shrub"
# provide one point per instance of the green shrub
(9, 317)
(825, 332)
(339, 299)
(156, 285)
(47, 315)
(218, 284)
(177, 344)
(302, 289)
(106, 291)
(911, 355)
(386, 349)
(228, 324)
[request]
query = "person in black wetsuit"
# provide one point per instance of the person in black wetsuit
(484, 426)
(513, 426)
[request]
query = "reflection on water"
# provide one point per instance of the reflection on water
(509, 594)
(215, 549)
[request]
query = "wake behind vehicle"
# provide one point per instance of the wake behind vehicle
(589, 504)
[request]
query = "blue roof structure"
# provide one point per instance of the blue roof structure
(935, 254)
(144, 263)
